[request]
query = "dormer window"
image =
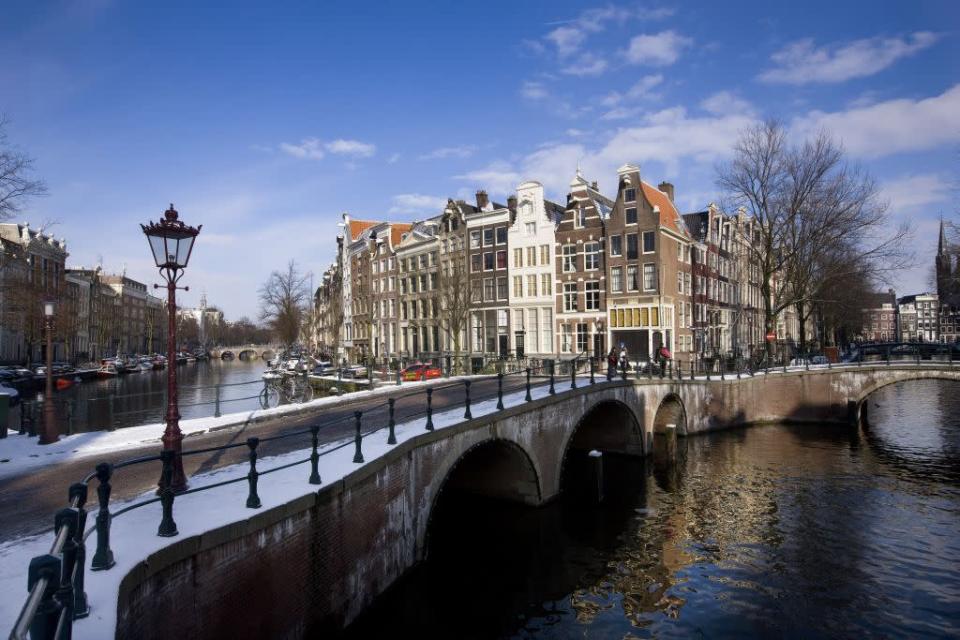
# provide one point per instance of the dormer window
(630, 195)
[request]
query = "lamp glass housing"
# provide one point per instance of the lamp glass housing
(49, 308)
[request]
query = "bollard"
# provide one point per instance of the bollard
(392, 438)
(573, 374)
(216, 406)
(592, 367)
(596, 469)
(49, 567)
(430, 409)
(466, 389)
(314, 455)
(722, 369)
(528, 398)
(499, 392)
(399, 380)
(671, 440)
(103, 557)
(167, 528)
(358, 455)
(81, 609)
(253, 499)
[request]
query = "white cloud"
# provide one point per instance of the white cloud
(309, 148)
(724, 103)
(566, 39)
(801, 62)
(353, 148)
(910, 193)
(394, 158)
(495, 177)
(588, 65)
(893, 126)
(462, 151)
(409, 203)
(642, 90)
(659, 49)
(534, 90)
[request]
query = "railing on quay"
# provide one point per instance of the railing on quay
(56, 580)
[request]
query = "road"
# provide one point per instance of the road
(28, 502)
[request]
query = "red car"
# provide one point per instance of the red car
(420, 371)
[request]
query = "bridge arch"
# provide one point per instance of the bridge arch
(670, 411)
(902, 376)
(494, 468)
(248, 354)
(609, 425)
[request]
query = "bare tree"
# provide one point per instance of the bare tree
(16, 183)
(283, 299)
(809, 208)
(454, 299)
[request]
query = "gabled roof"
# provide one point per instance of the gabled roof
(397, 229)
(669, 216)
(359, 226)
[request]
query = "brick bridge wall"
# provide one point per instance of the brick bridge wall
(314, 564)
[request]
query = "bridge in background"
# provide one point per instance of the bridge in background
(321, 559)
(247, 351)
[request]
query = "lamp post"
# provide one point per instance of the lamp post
(49, 434)
(171, 242)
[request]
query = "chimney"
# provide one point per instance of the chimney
(482, 199)
(667, 188)
(595, 186)
(512, 203)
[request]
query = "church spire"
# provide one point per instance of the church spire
(941, 245)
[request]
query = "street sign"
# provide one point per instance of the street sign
(771, 336)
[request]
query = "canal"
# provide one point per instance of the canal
(772, 531)
(140, 398)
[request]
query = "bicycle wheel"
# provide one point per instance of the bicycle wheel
(269, 397)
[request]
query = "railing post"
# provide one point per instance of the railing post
(466, 388)
(553, 367)
(649, 371)
(44, 624)
(216, 409)
(78, 490)
(429, 408)
(253, 499)
(68, 517)
(314, 455)
(573, 374)
(358, 438)
(499, 392)
(167, 528)
(592, 368)
(528, 397)
(103, 557)
(623, 369)
(399, 380)
(392, 423)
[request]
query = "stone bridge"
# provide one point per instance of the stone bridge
(247, 351)
(312, 565)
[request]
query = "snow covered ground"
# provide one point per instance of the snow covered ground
(133, 534)
(20, 453)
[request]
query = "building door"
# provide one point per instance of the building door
(598, 347)
(518, 340)
(504, 350)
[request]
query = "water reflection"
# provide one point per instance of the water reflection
(770, 531)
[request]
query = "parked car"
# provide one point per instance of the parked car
(354, 371)
(324, 368)
(11, 395)
(420, 371)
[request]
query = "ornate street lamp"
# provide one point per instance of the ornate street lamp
(49, 434)
(172, 242)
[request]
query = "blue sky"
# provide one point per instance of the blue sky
(264, 121)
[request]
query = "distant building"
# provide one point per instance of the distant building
(209, 321)
(880, 318)
(907, 319)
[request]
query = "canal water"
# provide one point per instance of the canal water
(772, 531)
(140, 398)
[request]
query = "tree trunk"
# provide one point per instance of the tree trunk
(802, 327)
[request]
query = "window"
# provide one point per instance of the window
(532, 285)
(487, 237)
(616, 245)
(582, 337)
(423, 282)
(433, 281)
(501, 288)
(630, 195)
(403, 310)
(501, 235)
(488, 289)
(649, 242)
(423, 261)
(569, 296)
(632, 252)
(632, 284)
(649, 277)
(544, 254)
(546, 284)
(475, 262)
(517, 287)
(475, 291)
(518, 257)
(591, 252)
(531, 256)
(566, 338)
(679, 282)
(531, 228)
(569, 257)
(488, 261)
(502, 259)
(592, 301)
(686, 283)
(631, 215)
(546, 330)
(581, 218)
(616, 279)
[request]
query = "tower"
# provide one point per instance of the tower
(946, 278)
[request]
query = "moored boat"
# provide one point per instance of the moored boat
(107, 370)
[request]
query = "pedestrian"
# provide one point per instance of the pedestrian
(624, 363)
(611, 363)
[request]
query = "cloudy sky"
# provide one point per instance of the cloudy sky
(264, 121)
